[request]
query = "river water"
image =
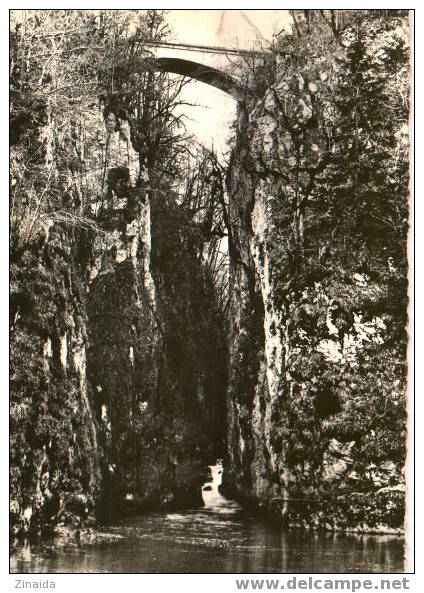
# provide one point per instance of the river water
(218, 538)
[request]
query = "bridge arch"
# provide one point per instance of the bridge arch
(217, 78)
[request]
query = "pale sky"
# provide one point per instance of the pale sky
(232, 28)
(247, 29)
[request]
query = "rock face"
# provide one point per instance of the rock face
(153, 358)
(303, 439)
(248, 401)
(317, 372)
(116, 347)
(55, 458)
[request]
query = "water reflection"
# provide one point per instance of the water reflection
(219, 538)
(205, 541)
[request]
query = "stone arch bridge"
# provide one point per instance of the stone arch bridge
(201, 72)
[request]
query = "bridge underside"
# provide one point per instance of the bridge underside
(206, 74)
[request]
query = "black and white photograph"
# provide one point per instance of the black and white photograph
(210, 292)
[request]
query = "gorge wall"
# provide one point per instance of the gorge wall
(316, 408)
(118, 365)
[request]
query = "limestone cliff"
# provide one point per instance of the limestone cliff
(55, 454)
(115, 350)
(317, 377)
